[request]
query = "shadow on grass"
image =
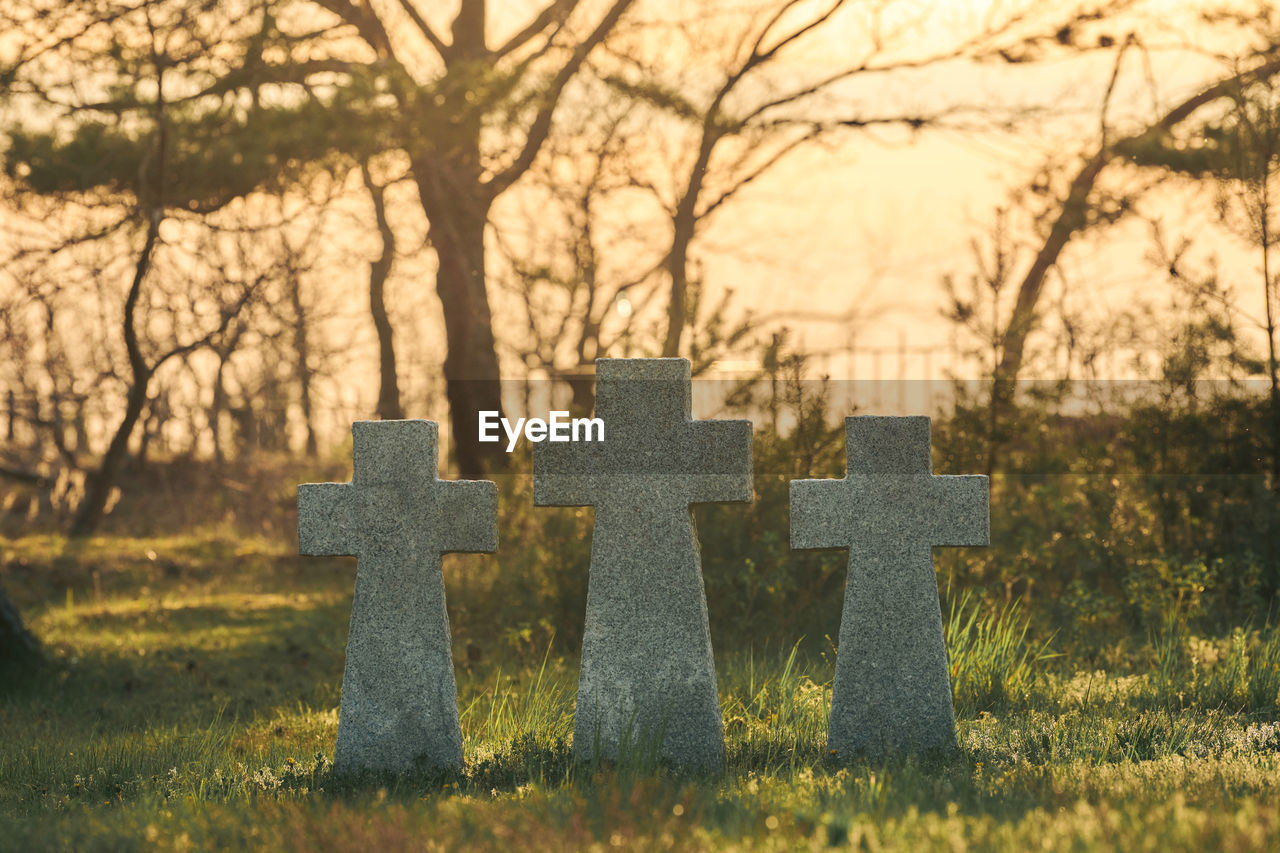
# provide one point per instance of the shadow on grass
(121, 670)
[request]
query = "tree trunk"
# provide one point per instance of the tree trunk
(302, 369)
(217, 406)
(150, 427)
(456, 200)
(678, 269)
(457, 223)
(456, 190)
(17, 645)
(389, 407)
(99, 483)
(684, 228)
(1273, 363)
(582, 383)
(1071, 218)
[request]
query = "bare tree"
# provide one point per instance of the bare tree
(669, 151)
(389, 407)
(1079, 207)
(1237, 151)
(471, 111)
(761, 110)
(142, 369)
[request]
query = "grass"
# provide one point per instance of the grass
(191, 696)
(992, 661)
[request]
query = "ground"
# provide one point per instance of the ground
(190, 702)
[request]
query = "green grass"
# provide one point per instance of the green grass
(190, 702)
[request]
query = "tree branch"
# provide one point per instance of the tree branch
(241, 78)
(758, 171)
(28, 477)
(366, 23)
(425, 29)
(229, 313)
(541, 124)
(758, 56)
(557, 11)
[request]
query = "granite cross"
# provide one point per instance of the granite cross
(892, 690)
(647, 679)
(399, 698)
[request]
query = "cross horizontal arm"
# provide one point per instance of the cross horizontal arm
(718, 466)
(468, 516)
(959, 510)
(326, 520)
(818, 517)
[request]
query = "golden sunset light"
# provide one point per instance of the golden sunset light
(634, 424)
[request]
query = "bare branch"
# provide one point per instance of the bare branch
(1111, 86)
(28, 477)
(229, 313)
(759, 170)
(424, 28)
(557, 12)
(541, 124)
(242, 78)
(365, 21)
(758, 56)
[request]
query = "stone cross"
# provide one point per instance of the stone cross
(399, 698)
(892, 690)
(647, 679)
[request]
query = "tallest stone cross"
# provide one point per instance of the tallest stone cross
(647, 674)
(891, 689)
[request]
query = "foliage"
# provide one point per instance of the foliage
(751, 574)
(1112, 505)
(211, 157)
(1115, 503)
(1238, 144)
(192, 691)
